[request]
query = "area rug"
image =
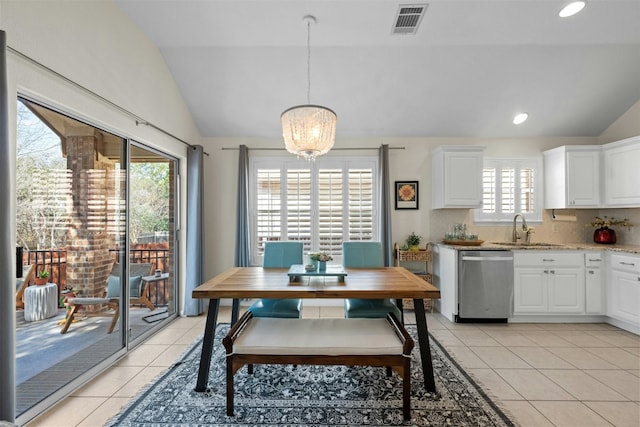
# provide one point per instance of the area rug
(284, 395)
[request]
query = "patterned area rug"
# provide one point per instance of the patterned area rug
(283, 395)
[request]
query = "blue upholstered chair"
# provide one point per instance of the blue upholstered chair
(363, 255)
(279, 255)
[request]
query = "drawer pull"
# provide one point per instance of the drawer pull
(628, 263)
(548, 259)
(593, 272)
(552, 271)
(546, 271)
(595, 260)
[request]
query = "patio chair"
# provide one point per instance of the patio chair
(366, 255)
(137, 295)
(279, 255)
(21, 284)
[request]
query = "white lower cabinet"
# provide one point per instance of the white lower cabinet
(566, 290)
(623, 289)
(594, 283)
(530, 291)
(549, 283)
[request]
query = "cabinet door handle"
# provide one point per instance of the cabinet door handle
(548, 259)
(593, 272)
(628, 263)
(552, 271)
(546, 271)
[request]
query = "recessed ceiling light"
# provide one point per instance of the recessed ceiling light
(572, 8)
(520, 118)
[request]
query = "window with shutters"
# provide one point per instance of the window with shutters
(321, 203)
(510, 186)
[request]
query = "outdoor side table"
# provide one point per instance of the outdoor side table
(156, 280)
(40, 302)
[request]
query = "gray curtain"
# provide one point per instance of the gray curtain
(195, 248)
(242, 210)
(385, 204)
(7, 271)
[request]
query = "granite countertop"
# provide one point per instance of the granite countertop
(632, 249)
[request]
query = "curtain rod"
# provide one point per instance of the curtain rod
(333, 149)
(139, 120)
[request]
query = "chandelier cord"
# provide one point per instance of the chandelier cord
(308, 62)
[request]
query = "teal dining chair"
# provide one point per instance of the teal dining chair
(279, 255)
(366, 255)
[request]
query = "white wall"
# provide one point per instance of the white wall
(626, 126)
(95, 45)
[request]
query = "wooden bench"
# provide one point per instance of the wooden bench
(350, 342)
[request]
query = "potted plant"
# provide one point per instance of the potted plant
(42, 278)
(604, 234)
(321, 258)
(413, 241)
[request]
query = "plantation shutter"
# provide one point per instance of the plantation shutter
(489, 196)
(320, 204)
(509, 187)
(360, 212)
(298, 219)
(527, 190)
(268, 206)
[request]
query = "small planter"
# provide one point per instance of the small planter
(40, 281)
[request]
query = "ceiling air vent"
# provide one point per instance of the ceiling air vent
(408, 18)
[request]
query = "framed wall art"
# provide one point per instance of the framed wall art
(406, 194)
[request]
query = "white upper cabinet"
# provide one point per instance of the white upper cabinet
(622, 173)
(456, 177)
(572, 177)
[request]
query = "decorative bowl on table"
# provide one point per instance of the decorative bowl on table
(310, 267)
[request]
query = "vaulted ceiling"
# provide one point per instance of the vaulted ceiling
(468, 69)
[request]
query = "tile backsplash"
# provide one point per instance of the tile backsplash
(550, 231)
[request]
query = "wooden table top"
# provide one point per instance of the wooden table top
(369, 283)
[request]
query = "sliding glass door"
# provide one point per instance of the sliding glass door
(96, 212)
(152, 248)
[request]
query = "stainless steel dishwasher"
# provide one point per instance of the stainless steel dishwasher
(485, 286)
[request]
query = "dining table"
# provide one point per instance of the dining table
(362, 283)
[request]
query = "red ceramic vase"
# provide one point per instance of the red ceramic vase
(604, 235)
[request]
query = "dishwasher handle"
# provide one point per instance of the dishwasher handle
(486, 258)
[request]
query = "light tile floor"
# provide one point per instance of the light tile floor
(543, 374)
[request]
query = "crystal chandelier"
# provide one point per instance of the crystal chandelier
(308, 130)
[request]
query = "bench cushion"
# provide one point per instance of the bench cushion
(327, 337)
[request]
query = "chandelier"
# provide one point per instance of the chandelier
(308, 130)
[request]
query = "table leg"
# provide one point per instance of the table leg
(207, 345)
(399, 305)
(423, 343)
(235, 310)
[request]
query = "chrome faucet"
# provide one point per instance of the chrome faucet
(515, 237)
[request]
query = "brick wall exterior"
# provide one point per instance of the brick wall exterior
(93, 189)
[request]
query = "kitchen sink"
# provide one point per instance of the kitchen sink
(525, 245)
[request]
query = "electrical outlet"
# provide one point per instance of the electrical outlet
(554, 228)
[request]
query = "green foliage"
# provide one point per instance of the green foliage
(149, 205)
(414, 239)
(43, 210)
